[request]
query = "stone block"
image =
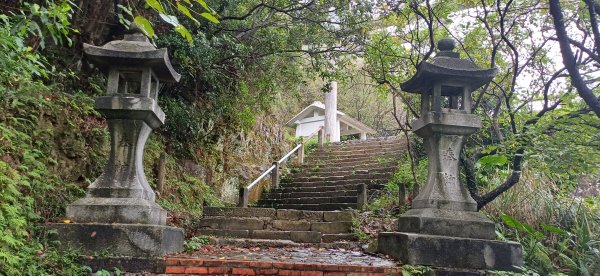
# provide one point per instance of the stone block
(441, 251)
(126, 264)
(447, 223)
(332, 227)
(293, 225)
(217, 212)
(337, 216)
(305, 236)
(254, 212)
(230, 223)
(286, 214)
(270, 235)
(225, 233)
(338, 237)
(116, 210)
(133, 240)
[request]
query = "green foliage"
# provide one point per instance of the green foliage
(104, 272)
(51, 19)
(16, 211)
(552, 248)
(195, 243)
(37, 129)
(166, 10)
(415, 270)
(358, 231)
(188, 127)
(188, 194)
(14, 54)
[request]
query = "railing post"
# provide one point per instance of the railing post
(361, 196)
(301, 152)
(275, 176)
(402, 194)
(321, 133)
(243, 200)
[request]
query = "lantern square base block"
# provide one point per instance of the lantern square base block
(116, 210)
(455, 252)
(132, 240)
(431, 221)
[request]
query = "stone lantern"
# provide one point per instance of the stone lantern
(443, 228)
(119, 212)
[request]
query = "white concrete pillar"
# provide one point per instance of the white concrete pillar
(363, 136)
(332, 127)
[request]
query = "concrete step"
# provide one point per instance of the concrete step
(340, 168)
(234, 223)
(348, 165)
(239, 212)
(319, 206)
(340, 193)
(311, 200)
(295, 236)
(366, 143)
(326, 188)
(353, 176)
(380, 158)
(270, 214)
(344, 182)
(352, 150)
(329, 238)
(379, 169)
(325, 154)
(273, 195)
(302, 226)
(254, 224)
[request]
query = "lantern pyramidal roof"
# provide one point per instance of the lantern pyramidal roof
(448, 67)
(134, 49)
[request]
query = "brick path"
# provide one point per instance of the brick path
(196, 266)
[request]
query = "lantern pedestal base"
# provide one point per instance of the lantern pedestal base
(116, 210)
(132, 240)
(455, 252)
(453, 223)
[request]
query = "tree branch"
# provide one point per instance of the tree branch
(569, 60)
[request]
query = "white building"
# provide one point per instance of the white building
(311, 118)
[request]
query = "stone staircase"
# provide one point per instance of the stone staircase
(311, 205)
(268, 223)
(329, 179)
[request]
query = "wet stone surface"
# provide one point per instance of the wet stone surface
(295, 254)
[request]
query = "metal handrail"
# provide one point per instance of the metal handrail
(267, 172)
(274, 169)
(284, 158)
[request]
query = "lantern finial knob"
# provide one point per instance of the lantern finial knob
(446, 44)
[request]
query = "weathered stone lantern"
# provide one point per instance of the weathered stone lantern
(119, 212)
(443, 228)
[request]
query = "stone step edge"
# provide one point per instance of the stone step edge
(294, 236)
(357, 153)
(328, 188)
(215, 235)
(200, 266)
(248, 243)
(278, 214)
(298, 227)
(355, 176)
